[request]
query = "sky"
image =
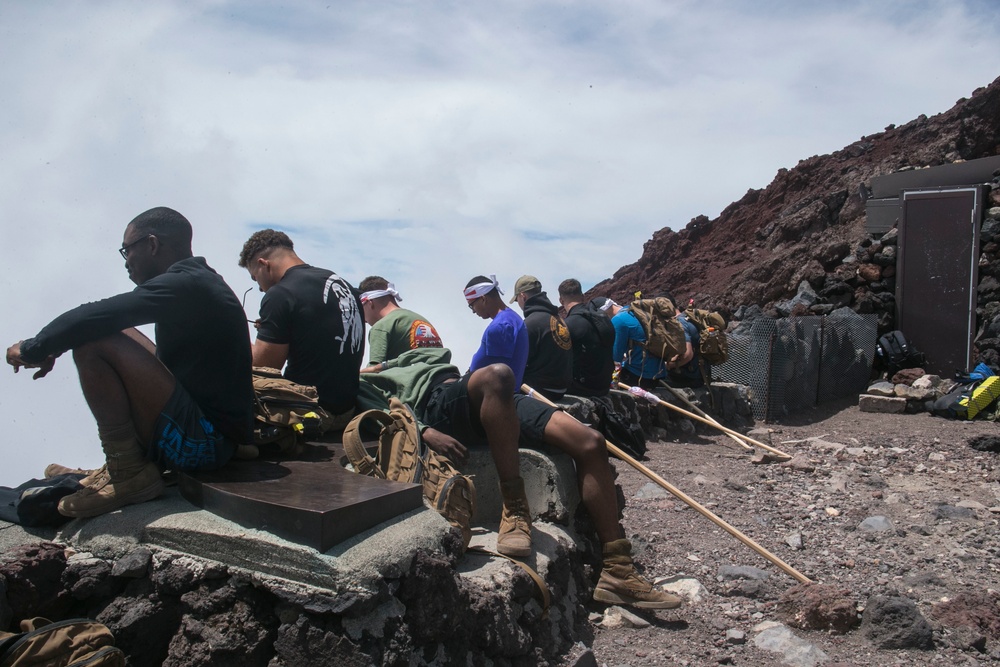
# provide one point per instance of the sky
(427, 142)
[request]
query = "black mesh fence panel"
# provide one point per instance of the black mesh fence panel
(795, 363)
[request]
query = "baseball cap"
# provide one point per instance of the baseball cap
(525, 284)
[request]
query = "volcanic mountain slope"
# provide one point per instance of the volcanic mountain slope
(810, 217)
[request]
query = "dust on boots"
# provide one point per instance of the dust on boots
(514, 539)
(128, 479)
(621, 584)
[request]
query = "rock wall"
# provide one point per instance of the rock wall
(174, 609)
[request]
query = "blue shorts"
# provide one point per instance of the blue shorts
(183, 439)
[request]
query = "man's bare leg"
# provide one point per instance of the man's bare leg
(619, 582)
(126, 387)
(491, 391)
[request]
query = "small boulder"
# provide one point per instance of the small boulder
(818, 607)
(896, 623)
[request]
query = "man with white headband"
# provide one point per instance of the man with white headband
(394, 329)
(540, 423)
(593, 338)
(505, 340)
(309, 317)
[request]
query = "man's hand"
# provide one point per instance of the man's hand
(374, 368)
(445, 444)
(15, 360)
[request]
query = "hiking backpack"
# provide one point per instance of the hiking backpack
(896, 353)
(403, 456)
(286, 414)
(600, 323)
(71, 643)
(664, 333)
(713, 346)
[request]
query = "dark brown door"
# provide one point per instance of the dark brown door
(938, 273)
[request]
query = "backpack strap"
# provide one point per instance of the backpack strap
(355, 448)
(537, 578)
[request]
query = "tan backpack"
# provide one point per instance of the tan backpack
(403, 456)
(72, 643)
(713, 345)
(286, 414)
(664, 333)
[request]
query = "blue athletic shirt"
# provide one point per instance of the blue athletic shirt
(505, 341)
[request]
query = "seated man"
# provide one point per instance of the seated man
(394, 330)
(505, 339)
(185, 404)
(593, 338)
(634, 365)
(549, 368)
(685, 370)
(309, 317)
(478, 409)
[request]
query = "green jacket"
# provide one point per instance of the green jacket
(409, 377)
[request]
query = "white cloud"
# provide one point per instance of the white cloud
(426, 142)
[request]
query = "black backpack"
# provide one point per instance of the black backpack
(896, 353)
(600, 322)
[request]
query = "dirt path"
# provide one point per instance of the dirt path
(940, 495)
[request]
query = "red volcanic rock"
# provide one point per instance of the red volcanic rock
(760, 247)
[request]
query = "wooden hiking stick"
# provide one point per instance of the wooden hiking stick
(694, 408)
(704, 511)
(653, 398)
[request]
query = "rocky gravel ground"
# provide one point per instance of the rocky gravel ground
(894, 517)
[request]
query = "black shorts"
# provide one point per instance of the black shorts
(448, 410)
(534, 416)
(183, 439)
(625, 376)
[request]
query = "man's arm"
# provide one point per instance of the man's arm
(272, 355)
(621, 338)
(378, 343)
(14, 359)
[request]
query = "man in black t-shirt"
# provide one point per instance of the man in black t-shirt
(309, 317)
(185, 403)
(593, 338)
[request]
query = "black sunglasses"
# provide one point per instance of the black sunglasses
(125, 248)
(472, 304)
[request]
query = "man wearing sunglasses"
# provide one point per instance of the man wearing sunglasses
(183, 404)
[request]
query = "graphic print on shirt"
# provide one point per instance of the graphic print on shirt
(560, 333)
(354, 325)
(423, 334)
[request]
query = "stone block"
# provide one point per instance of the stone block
(883, 404)
(882, 389)
(549, 483)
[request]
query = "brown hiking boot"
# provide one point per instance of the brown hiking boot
(621, 584)
(514, 539)
(126, 479)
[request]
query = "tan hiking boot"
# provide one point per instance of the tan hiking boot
(55, 469)
(621, 584)
(514, 539)
(95, 477)
(126, 479)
